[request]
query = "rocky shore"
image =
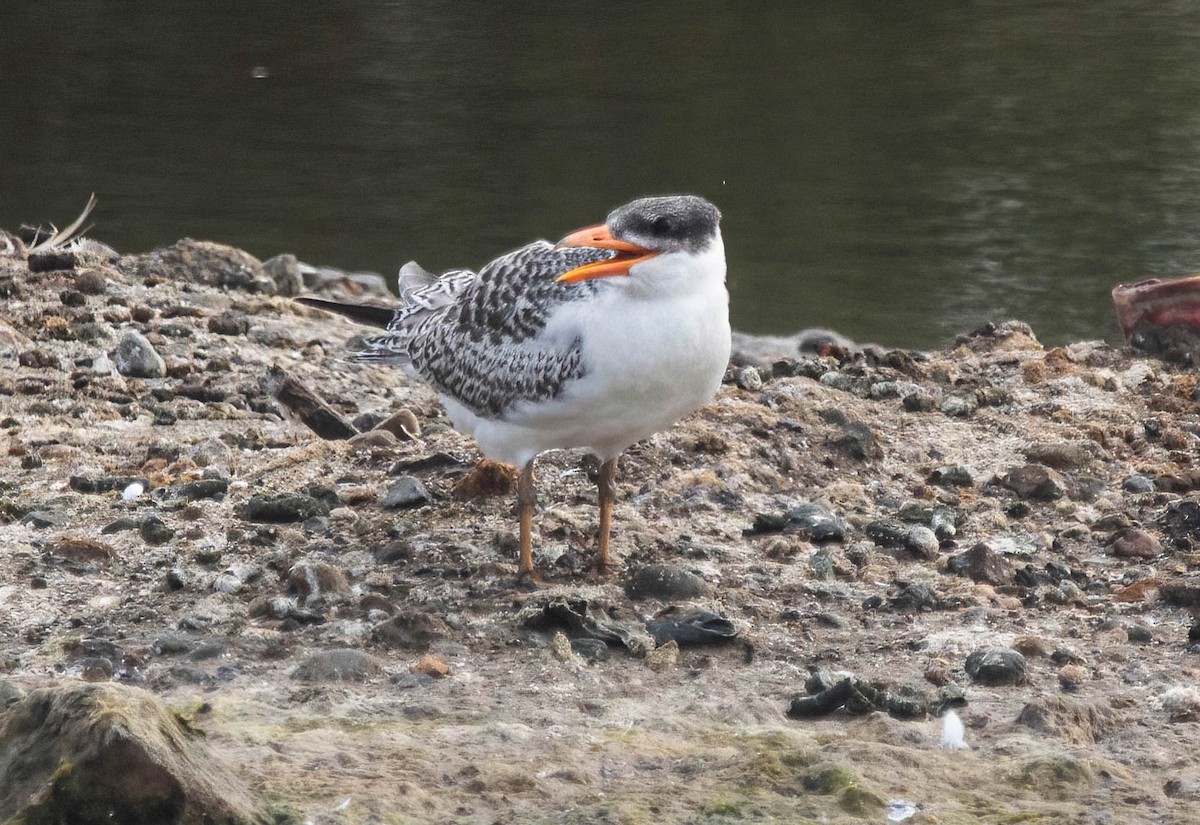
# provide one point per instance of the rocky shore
(843, 547)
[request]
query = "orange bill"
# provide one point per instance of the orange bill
(600, 237)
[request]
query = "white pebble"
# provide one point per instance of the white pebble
(133, 491)
(953, 732)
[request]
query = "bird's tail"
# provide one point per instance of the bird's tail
(369, 314)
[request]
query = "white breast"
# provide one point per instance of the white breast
(655, 347)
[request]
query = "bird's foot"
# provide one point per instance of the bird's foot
(529, 579)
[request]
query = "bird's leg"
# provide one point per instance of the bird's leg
(607, 490)
(526, 501)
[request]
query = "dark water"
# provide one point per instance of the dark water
(896, 171)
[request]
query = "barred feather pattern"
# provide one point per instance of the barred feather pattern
(478, 337)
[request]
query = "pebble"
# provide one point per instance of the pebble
(662, 581)
(411, 630)
(313, 579)
(136, 357)
(154, 530)
(921, 542)
(430, 665)
(1135, 543)
(959, 406)
(403, 424)
(953, 475)
(748, 378)
(1138, 484)
(1035, 481)
(982, 564)
(996, 666)
(1070, 677)
(406, 491)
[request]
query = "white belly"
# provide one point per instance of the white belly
(649, 361)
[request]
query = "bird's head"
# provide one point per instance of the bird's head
(653, 238)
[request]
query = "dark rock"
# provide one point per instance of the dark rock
(318, 416)
(887, 532)
(155, 531)
(1035, 481)
(411, 630)
(338, 665)
(51, 260)
(203, 488)
(171, 643)
(594, 650)
(1138, 485)
(954, 475)
(229, 323)
(982, 564)
(661, 581)
(1139, 634)
(1135, 543)
(996, 666)
(36, 359)
(282, 508)
(104, 484)
(85, 753)
(919, 401)
(815, 523)
(406, 491)
(1180, 592)
(914, 598)
(137, 358)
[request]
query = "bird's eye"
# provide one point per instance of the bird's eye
(663, 225)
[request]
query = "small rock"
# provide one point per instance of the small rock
(593, 650)
(921, 542)
(284, 272)
(406, 491)
(959, 406)
(430, 665)
(154, 530)
(1139, 634)
(1138, 484)
(203, 488)
(996, 666)
(661, 581)
(229, 323)
(1070, 677)
(1135, 543)
(283, 508)
(982, 564)
(954, 475)
(338, 665)
(402, 424)
(310, 580)
(1035, 481)
(137, 358)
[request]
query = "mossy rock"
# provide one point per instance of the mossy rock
(102, 753)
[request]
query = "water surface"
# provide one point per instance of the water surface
(898, 172)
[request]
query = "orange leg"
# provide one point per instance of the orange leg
(607, 490)
(526, 501)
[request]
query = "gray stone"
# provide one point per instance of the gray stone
(982, 564)
(136, 357)
(406, 491)
(996, 666)
(1035, 481)
(662, 581)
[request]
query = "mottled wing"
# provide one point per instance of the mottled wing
(479, 338)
